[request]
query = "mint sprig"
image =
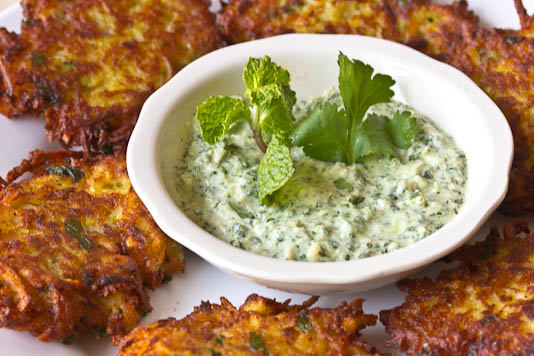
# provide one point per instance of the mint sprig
(346, 135)
(268, 112)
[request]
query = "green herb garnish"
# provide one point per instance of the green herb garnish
(268, 112)
(220, 339)
(37, 59)
(74, 172)
(100, 332)
(68, 340)
(256, 341)
(304, 323)
(215, 353)
(74, 228)
(166, 279)
(329, 134)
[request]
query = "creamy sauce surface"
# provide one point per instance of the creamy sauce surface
(327, 211)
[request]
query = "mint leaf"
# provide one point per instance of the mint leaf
(216, 114)
(323, 134)
(270, 96)
(260, 72)
(270, 118)
(403, 129)
(372, 137)
(274, 113)
(276, 168)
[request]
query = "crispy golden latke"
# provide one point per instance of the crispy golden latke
(483, 307)
(261, 326)
(501, 62)
(77, 248)
(416, 22)
(88, 65)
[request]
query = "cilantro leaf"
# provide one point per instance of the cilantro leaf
(330, 134)
(360, 90)
(216, 114)
(403, 129)
(276, 168)
(323, 134)
(372, 137)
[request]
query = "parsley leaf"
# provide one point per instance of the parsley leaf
(323, 134)
(276, 168)
(216, 114)
(373, 137)
(403, 129)
(360, 90)
(346, 135)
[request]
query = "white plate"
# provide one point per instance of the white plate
(201, 281)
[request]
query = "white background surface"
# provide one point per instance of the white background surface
(201, 281)
(4, 4)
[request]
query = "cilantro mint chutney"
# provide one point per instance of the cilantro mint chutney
(327, 211)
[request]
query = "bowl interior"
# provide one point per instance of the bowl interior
(439, 91)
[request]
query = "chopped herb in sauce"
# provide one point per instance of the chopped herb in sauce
(341, 183)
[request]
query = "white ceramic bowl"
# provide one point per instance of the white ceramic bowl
(443, 93)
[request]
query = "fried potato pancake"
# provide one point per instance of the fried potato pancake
(88, 65)
(77, 248)
(499, 61)
(261, 326)
(483, 307)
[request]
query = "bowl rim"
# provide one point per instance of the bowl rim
(144, 172)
